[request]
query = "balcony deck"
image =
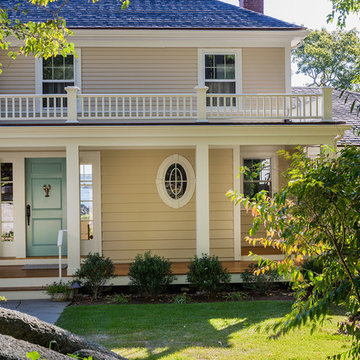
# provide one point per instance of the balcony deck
(163, 108)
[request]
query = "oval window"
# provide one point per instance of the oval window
(175, 181)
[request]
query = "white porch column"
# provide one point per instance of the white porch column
(237, 208)
(73, 207)
(202, 200)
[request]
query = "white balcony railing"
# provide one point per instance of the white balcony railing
(265, 106)
(33, 107)
(200, 106)
(147, 106)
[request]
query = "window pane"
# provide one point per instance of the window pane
(230, 73)
(219, 60)
(56, 88)
(6, 172)
(209, 73)
(6, 192)
(58, 60)
(86, 172)
(69, 73)
(230, 59)
(69, 60)
(47, 73)
(209, 61)
(7, 212)
(48, 62)
(259, 169)
(87, 230)
(7, 231)
(86, 210)
(86, 192)
(59, 74)
(220, 87)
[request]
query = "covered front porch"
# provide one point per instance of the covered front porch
(128, 214)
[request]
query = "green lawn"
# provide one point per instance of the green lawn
(200, 331)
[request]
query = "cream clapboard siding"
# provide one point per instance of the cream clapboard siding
(263, 70)
(221, 209)
(149, 70)
(18, 76)
(139, 70)
(135, 219)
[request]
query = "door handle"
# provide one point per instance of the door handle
(28, 213)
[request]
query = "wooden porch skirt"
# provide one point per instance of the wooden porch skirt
(178, 268)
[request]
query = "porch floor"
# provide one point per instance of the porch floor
(178, 268)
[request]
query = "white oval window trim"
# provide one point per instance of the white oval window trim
(190, 186)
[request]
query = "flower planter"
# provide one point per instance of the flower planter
(58, 297)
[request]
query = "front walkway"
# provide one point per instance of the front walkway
(45, 310)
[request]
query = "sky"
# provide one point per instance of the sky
(310, 13)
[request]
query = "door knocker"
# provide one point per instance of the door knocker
(47, 190)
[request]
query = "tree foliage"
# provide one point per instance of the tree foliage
(330, 58)
(316, 215)
(341, 9)
(42, 39)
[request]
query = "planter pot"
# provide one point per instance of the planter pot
(7, 249)
(59, 297)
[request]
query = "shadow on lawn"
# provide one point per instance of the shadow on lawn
(210, 329)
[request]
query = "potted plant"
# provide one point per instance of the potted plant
(58, 291)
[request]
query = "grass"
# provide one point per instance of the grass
(200, 331)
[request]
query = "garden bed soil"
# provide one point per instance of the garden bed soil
(117, 296)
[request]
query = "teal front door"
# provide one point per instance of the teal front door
(45, 205)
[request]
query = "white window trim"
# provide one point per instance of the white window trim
(238, 65)
(39, 72)
(263, 154)
(160, 181)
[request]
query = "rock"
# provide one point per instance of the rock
(14, 349)
(31, 329)
(95, 355)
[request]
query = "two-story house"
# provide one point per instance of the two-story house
(132, 145)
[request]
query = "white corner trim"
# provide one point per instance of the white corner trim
(288, 69)
(224, 51)
(38, 75)
(160, 181)
(77, 70)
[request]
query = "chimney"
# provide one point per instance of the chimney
(254, 5)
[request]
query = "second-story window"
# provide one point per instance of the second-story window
(57, 74)
(220, 73)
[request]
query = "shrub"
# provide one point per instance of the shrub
(207, 274)
(259, 283)
(150, 275)
(94, 273)
(235, 296)
(181, 299)
(120, 299)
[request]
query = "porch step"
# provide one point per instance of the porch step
(24, 293)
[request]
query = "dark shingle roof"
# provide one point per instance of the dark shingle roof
(341, 112)
(154, 14)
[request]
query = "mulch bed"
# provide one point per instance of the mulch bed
(183, 295)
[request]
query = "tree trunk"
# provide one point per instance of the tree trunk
(31, 329)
